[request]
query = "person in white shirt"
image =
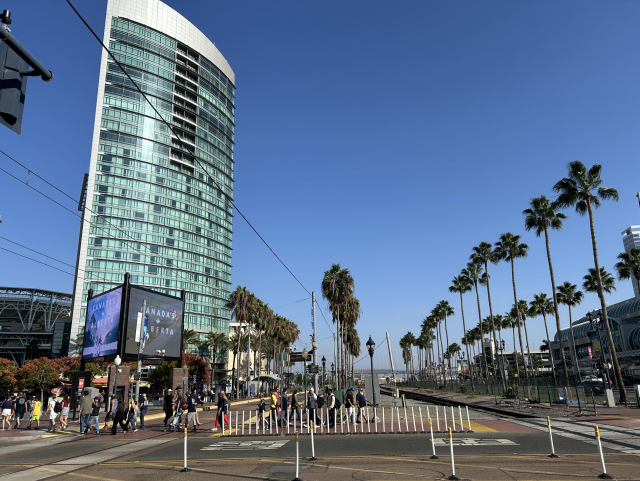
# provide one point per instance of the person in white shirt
(52, 413)
(313, 408)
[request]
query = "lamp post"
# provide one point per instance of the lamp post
(305, 355)
(598, 326)
(117, 361)
(324, 361)
(333, 376)
(371, 346)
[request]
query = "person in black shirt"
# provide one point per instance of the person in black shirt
(119, 419)
(168, 406)
(20, 408)
(350, 404)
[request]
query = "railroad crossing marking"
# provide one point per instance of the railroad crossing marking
(245, 445)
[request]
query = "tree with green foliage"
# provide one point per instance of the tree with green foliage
(629, 265)
(591, 281)
(583, 190)
(461, 284)
(8, 375)
(569, 295)
(42, 373)
(473, 271)
(542, 305)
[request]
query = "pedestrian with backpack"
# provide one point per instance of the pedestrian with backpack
(295, 408)
(53, 408)
(95, 413)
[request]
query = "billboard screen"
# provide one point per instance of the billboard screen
(163, 323)
(102, 325)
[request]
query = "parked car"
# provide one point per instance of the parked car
(597, 387)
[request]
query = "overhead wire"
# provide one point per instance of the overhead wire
(37, 252)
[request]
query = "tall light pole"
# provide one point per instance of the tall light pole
(305, 355)
(333, 376)
(117, 361)
(324, 361)
(372, 347)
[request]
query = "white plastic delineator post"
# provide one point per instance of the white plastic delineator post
(604, 474)
(438, 419)
(237, 423)
(262, 424)
(341, 422)
(421, 423)
(453, 419)
(384, 429)
(321, 421)
(313, 449)
(433, 445)
(553, 451)
(297, 478)
(391, 430)
(250, 424)
(406, 421)
(287, 422)
(444, 410)
(413, 417)
(186, 470)
(453, 476)
(243, 423)
(375, 417)
(468, 421)
(368, 425)
(461, 421)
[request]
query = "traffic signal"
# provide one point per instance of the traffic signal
(13, 87)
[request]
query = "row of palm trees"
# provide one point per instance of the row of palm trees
(581, 189)
(338, 289)
(274, 333)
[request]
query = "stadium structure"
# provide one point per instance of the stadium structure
(33, 323)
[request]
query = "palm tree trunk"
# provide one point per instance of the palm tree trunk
(515, 300)
(515, 352)
(493, 326)
(444, 370)
(238, 365)
(603, 305)
(555, 308)
(553, 368)
(446, 331)
(483, 358)
(437, 361)
(573, 346)
(259, 354)
(526, 338)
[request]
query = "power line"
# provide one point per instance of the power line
(39, 262)
(295, 302)
(45, 255)
(230, 202)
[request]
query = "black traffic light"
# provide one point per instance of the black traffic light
(13, 87)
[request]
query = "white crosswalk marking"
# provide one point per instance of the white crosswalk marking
(245, 445)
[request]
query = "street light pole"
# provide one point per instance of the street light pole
(323, 365)
(372, 347)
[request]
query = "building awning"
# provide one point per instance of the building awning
(269, 377)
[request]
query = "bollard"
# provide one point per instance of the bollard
(399, 422)
(262, 424)
(297, 478)
(321, 420)
(604, 474)
(391, 430)
(236, 423)
(444, 410)
(287, 422)
(375, 418)
(275, 422)
(313, 449)
(362, 422)
(243, 423)
(348, 418)
(553, 451)
(461, 421)
(413, 417)
(453, 419)
(186, 470)
(250, 424)
(433, 445)
(308, 422)
(438, 419)
(406, 421)
(270, 423)
(421, 423)
(384, 429)
(341, 422)
(468, 421)
(368, 425)
(453, 476)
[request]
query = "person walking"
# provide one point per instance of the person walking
(221, 415)
(65, 412)
(144, 406)
(295, 408)
(168, 407)
(261, 410)
(7, 411)
(331, 405)
(111, 412)
(85, 412)
(350, 404)
(132, 415)
(273, 408)
(51, 410)
(362, 401)
(284, 408)
(192, 401)
(118, 418)
(95, 414)
(20, 408)
(35, 410)
(313, 409)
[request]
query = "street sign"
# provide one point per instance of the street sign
(282, 356)
(153, 361)
(138, 325)
(185, 378)
(296, 357)
(136, 376)
(80, 383)
(312, 369)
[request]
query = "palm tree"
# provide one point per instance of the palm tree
(542, 305)
(482, 253)
(351, 314)
(189, 336)
(511, 321)
(263, 318)
(473, 272)
(508, 249)
(582, 189)
(453, 350)
(629, 265)
(233, 345)
(545, 345)
(406, 343)
(569, 295)
(591, 281)
(240, 304)
(523, 307)
(461, 284)
(540, 217)
(445, 310)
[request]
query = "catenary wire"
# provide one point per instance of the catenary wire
(230, 202)
(37, 252)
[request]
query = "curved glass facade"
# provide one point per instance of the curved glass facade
(157, 213)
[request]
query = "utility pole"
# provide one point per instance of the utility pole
(141, 339)
(334, 381)
(314, 342)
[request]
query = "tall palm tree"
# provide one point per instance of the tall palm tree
(437, 316)
(240, 304)
(214, 342)
(542, 305)
(509, 248)
(483, 253)
(569, 295)
(582, 189)
(446, 310)
(523, 307)
(461, 284)
(263, 318)
(629, 265)
(540, 217)
(511, 321)
(189, 336)
(453, 350)
(351, 314)
(591, 281)
(473, 271)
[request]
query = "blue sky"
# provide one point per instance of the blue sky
(389, 137)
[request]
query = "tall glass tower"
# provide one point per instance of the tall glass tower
(154, 210)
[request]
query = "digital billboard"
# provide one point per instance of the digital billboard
(164, 320)
(102, 325)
